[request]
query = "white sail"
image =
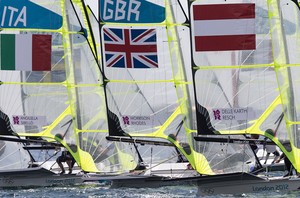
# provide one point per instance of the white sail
(67, 97)
(246, 86)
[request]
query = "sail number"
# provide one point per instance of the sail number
(12, 16)
(120, 10)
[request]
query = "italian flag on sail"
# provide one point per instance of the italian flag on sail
(25, 52)
(222, 27)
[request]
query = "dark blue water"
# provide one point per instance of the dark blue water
(96, 191)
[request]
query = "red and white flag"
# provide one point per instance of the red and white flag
(224, 27)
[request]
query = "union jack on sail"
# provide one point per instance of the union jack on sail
(130, 48)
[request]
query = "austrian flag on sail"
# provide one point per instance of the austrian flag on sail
(25, 52)
(223, 27)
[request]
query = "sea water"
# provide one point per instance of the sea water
(97, 191)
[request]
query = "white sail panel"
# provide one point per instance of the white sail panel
(236, 80)
(236, 89)
(146, 96)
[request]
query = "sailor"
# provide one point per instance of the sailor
(271, 148)
(287, 163)
(181, 157)
(66, 156)
(252, 143)
(255, 149)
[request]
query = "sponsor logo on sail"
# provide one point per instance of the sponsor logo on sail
(136, 120)
(230, 114)
(29, 120)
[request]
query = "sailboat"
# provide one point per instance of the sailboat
(244, 65)
(142, 104)
(50, 88)
(147, 98)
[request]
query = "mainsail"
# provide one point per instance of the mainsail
(244, 68)
(145, 82)
(139, 81)
(60, 91)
